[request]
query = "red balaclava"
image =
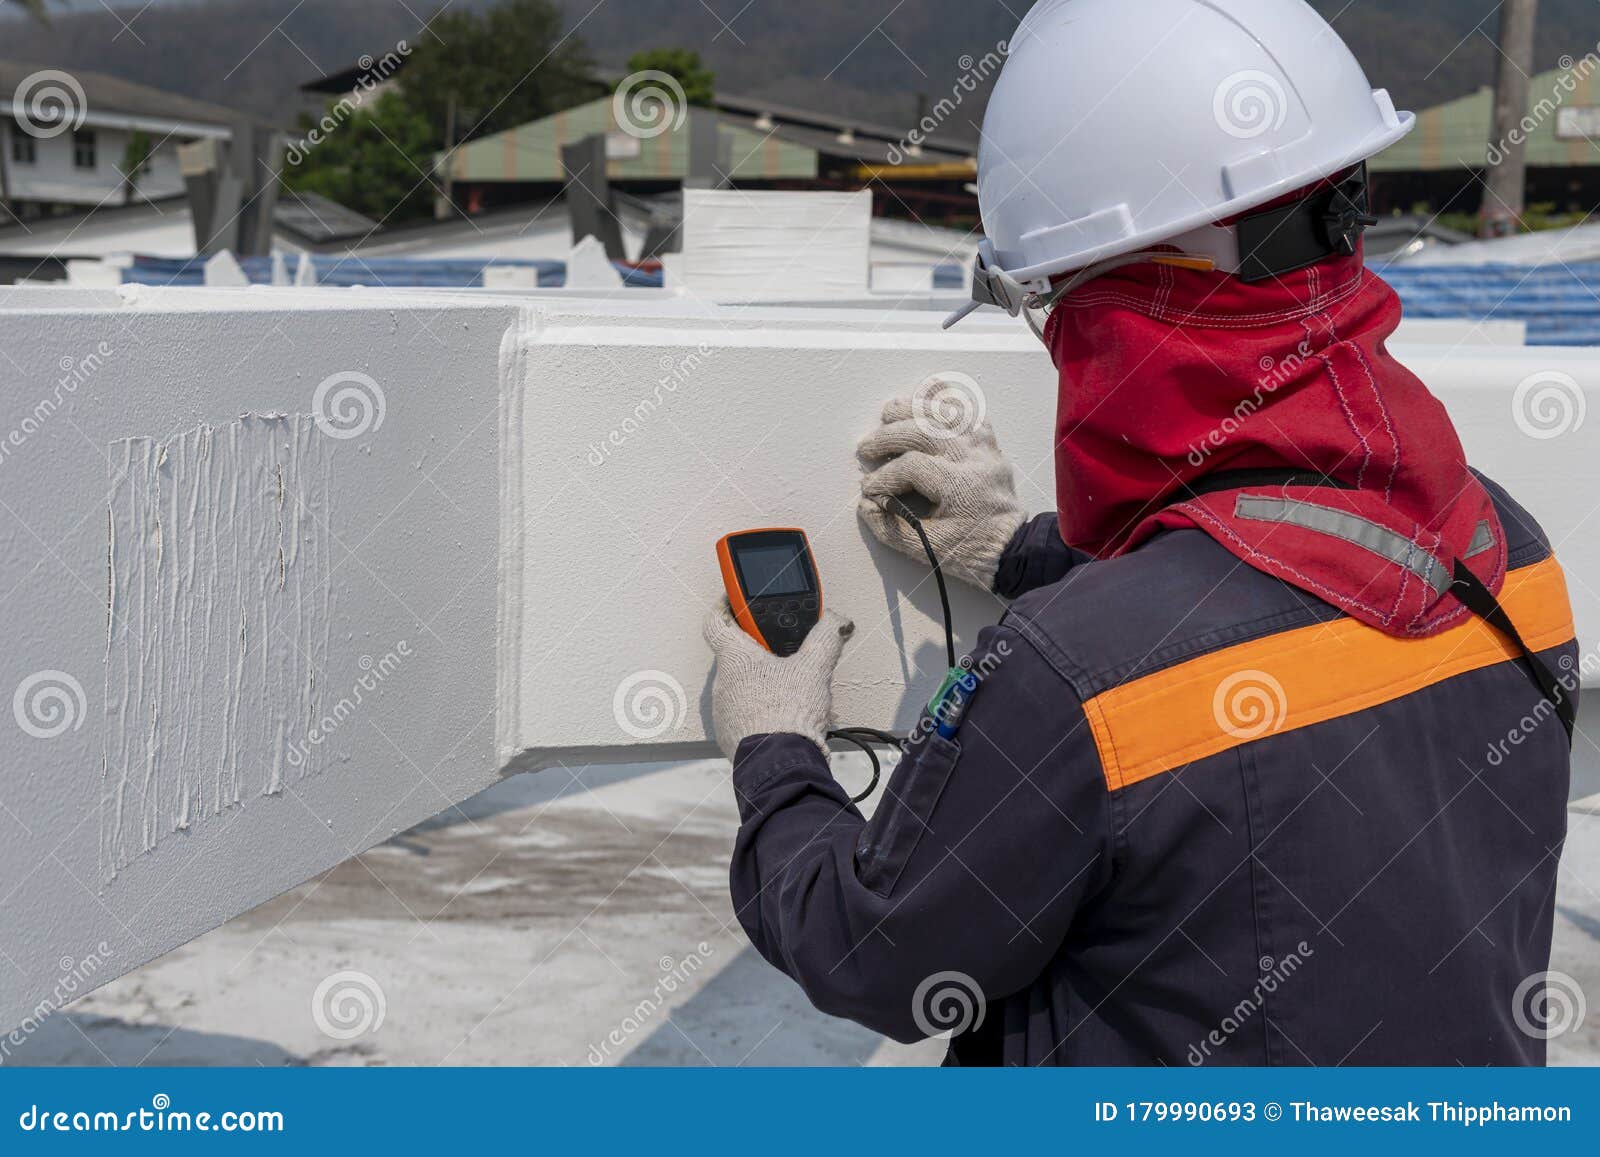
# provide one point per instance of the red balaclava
(1169, 376)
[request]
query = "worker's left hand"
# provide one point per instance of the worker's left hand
(931, 443)
(755, 692)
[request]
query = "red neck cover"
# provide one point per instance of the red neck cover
(1169, 376)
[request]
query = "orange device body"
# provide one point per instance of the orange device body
(772, 585)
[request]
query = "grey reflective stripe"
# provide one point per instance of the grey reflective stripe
(1482, 540)
(1352, 528)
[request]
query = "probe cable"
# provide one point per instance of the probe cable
(865, 737)
(895, 506)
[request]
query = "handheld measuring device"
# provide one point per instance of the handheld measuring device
(776, 597)
(772, 585)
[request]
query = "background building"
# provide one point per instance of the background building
(1441, 164)
(760, 144)
(88, 139)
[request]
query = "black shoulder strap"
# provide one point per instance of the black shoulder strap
(1222, 481)
(1480, 600)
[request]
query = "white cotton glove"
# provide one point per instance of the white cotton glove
(754, 692)
(935, 443)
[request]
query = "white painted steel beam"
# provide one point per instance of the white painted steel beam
(239, 647)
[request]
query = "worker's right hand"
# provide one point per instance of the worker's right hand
(930, 444)
(757, 693)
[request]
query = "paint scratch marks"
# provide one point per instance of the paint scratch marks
(220, 601)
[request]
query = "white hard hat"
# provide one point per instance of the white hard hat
(1119, 125)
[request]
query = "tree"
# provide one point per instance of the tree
(483, 72)
(135, 163)
(1505, 184)
(377, 160)
(502, 67)
(683, 65)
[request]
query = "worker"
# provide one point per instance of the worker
(1268, 760)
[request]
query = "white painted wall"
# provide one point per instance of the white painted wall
(666, 436)
(748, 243)
(56, 296)
(53, 175)
(203, 573)
(257, 573)
(1462, 332)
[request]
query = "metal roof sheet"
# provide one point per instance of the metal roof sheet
(532, 152)
(1456, 135)
(109, 94)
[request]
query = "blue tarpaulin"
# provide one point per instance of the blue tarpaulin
(1560, 303)
(390, 272)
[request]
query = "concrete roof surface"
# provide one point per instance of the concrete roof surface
(527, 925)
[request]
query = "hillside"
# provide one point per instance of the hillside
(867, 58)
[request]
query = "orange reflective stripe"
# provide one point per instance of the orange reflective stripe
(1304, 677)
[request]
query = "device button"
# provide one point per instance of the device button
(792, 605)
(811, 604)
(788, 621)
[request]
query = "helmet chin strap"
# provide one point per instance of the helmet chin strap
(1101, 268)
(1018, 301)
(1036, 309)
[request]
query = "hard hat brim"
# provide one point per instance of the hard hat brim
(1041, 272)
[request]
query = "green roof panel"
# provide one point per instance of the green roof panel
(1562, 126)
(532, 152)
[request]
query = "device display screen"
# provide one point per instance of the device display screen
(773, 570)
